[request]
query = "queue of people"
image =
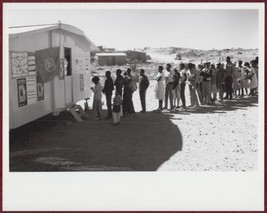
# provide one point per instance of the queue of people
(207, 84)
(124, 89)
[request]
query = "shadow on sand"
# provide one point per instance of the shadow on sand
(228, 105)
(142, 142)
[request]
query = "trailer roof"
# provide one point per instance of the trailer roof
(31, 30)
(110, 54)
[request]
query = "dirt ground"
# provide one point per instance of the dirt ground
(220, 137)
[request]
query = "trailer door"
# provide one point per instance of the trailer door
(68, 76)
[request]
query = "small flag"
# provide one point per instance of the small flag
(47, 63)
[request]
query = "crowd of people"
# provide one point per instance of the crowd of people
(207, 84)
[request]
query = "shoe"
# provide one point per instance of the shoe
(97, 118)
(114, 124)
(142, 111)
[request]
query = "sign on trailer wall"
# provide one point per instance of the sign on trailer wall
(19, 64)
(22, 92)
(30, 89)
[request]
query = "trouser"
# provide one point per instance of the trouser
(199, 91)
(108, 99)
(220, 88)
(160, 104)
(182, 93)
(168, 94)
(126, 102)
(143, 99)
(131, 106)
(229, 87)
(116, 117)
(193, 95)
(206, 86)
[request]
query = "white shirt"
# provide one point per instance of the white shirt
(168, 76)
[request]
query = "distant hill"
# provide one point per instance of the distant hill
(172, 50)
(188, 54)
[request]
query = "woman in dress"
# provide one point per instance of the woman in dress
(246, 74)
(159, 88)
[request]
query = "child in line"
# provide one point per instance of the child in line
(97, 105)
(117, 102)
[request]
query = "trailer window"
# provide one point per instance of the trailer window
(67, 55)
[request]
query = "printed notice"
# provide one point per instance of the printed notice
(22, 92)
(31, 89)
(19, 64)
(80, 64)
(81, 82)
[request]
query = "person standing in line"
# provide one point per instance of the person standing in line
(143, 85)
(220, 80)
(256, 61)
(133, 87)
(182, 84)
(168, 86)
(246, 77)
(236, 84)
(199, 83)
(253, 79)
(119, 82)
(176, 89)
(224, 71)
(117, 102)
(229, 78)
(159, 87)
(213, 84)
(241, 79)
(107, 90)
(97, 90)
(192, 75)
(127, 93)
(206, 74)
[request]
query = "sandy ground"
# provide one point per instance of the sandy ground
(222, 137)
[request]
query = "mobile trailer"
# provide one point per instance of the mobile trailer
(29, 97)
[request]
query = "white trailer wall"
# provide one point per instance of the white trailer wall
(25, 114)
(58, 93)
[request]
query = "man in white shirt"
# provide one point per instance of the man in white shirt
(168, 86)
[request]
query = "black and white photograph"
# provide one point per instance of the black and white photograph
(133, 106)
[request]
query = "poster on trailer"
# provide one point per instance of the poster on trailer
(22, 92)
(19, 64)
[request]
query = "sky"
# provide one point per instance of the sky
(138, 28)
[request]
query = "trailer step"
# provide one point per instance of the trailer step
(77, 112)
